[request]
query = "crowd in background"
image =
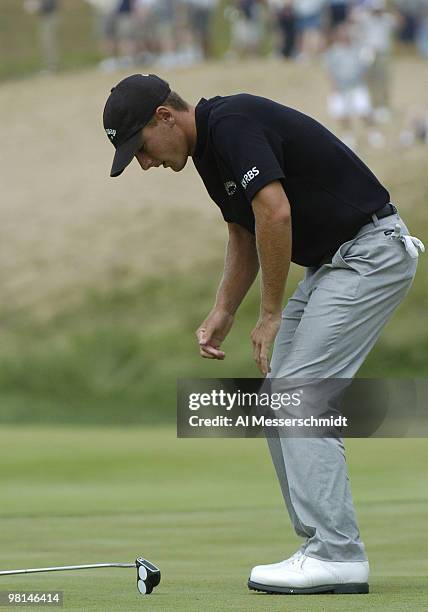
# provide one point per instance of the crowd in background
(179, 32)
(353, 37)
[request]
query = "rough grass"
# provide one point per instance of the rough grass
(118, 358)
(68, 229)
(104, 281)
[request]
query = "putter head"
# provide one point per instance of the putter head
(148, 576)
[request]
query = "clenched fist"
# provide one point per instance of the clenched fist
(212, 332)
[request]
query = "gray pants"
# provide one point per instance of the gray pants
(328, 327)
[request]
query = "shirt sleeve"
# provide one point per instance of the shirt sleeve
(243, 146)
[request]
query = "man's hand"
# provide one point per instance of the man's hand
(212, 332)
(263, 336)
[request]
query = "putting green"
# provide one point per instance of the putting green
(204, 510)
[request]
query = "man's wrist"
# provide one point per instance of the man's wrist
(270, 313)
(226, 308)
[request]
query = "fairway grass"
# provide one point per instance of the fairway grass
(204, 510)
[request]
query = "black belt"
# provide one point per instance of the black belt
(381, 213)
(386, 211)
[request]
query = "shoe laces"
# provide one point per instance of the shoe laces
(298, 558)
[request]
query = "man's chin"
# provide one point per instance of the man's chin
(178, 167)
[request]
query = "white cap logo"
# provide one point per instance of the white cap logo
(111, 133)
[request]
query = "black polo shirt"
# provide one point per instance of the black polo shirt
(245, 142)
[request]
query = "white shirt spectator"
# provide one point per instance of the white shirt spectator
(144, 4)
(205, 4)
(306, 8)
(345, 66)
(376, 31)
(104, 6)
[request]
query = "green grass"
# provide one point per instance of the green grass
(204, 510)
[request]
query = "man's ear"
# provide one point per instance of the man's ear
(163, 113)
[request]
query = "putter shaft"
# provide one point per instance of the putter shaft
(36, 570)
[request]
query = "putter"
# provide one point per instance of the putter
(148, 575)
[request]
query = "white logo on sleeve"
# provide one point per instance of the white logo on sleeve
(111, 133)
(249, 176)
(230, 187)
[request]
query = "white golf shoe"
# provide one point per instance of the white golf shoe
(305, 575)
(273, 567)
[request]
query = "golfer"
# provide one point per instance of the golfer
(289, 190)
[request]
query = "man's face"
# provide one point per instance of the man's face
(163, 144)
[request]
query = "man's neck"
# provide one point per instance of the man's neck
(189, 126)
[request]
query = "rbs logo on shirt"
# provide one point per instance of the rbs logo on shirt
(248, 176)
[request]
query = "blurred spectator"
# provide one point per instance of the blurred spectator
(422, 28)
(125, 31)
(200, 20)
(339, 11)
(309, 26)
(414, 23)
(166, 15)
(47, 10)
(284, 17)
(415, 128)
(178, 44)
(246, 19)
(376, 27)
(350, 99)
(116, 28)
(147, 42)
(408, 10)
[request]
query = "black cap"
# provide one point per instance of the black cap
(130, 106)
